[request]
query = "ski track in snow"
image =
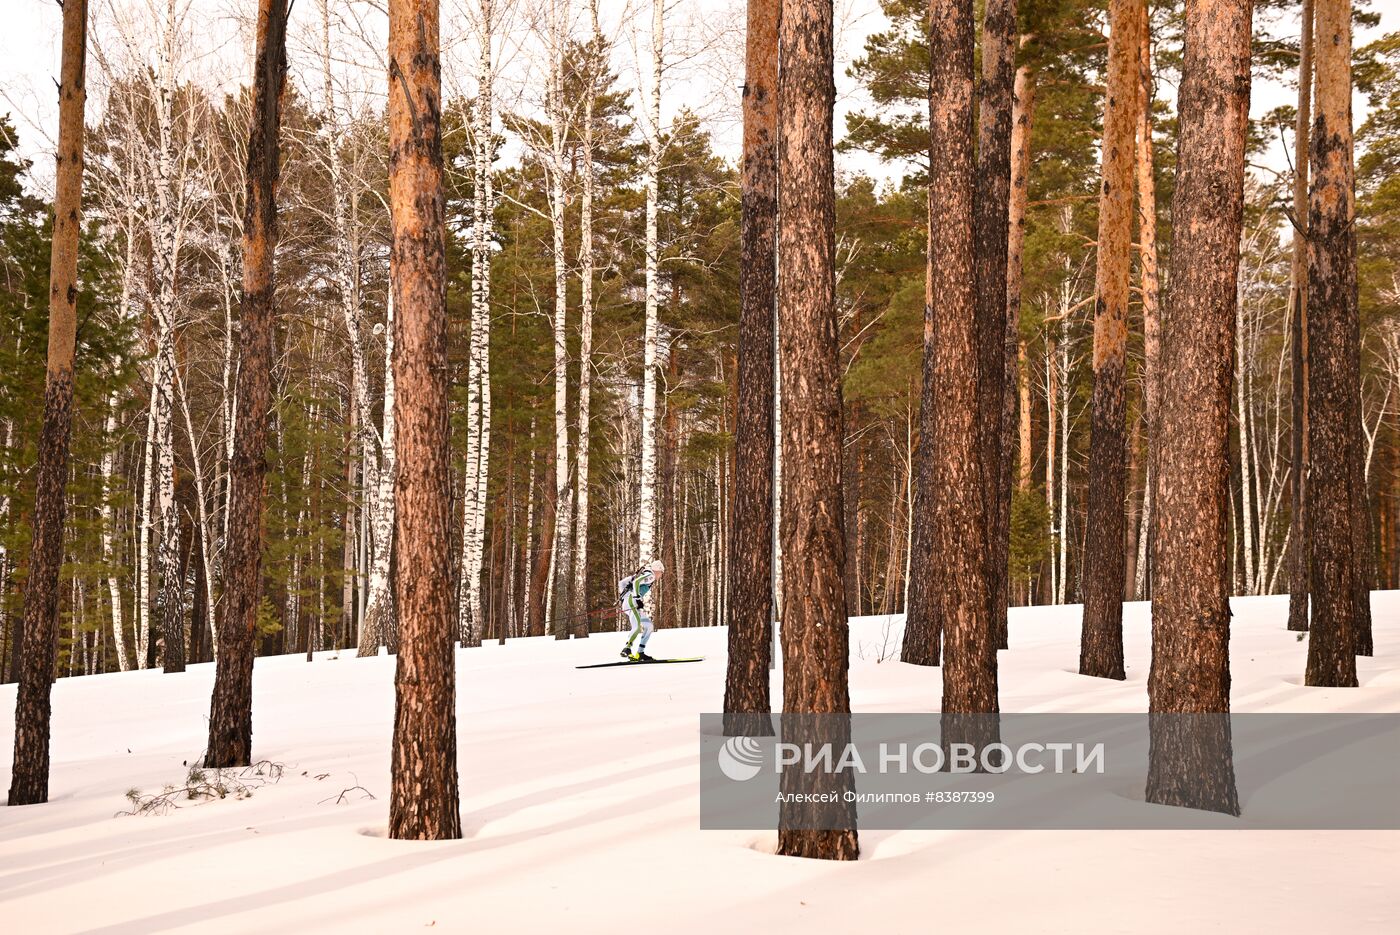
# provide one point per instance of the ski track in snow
(580, 814)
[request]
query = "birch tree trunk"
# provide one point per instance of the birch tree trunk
(1246, 448)
(378, 626)
(347, 285)
(147, 532)
(750, 610)
(376, 449)
(423, 796)
(1333, 387)
(585, 364)
(231, 708)
(470, 607)
(29, 780)
(206, 530)
(815, 632)
(646, 534)
(109, 521)
(1101, 645)
(166, 240)
(561, 567)
(1188, 688)
(170, 600)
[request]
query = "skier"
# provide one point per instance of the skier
(632, 592)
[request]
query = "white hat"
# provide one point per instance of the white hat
(656, 567)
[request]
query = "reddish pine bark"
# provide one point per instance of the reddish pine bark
(231, 707)
(1150, 283)
(1334, 407)
(957, 585)
(1298, 333)
(29, 782)
(991, 206)
(1188, 688)
(1101, 645)
(1016, 426)
(423, 802)
(746, 689)
(814, 629)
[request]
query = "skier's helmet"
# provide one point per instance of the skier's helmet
(657, 568)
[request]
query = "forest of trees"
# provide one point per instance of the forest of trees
(149, 479)
(596, 257)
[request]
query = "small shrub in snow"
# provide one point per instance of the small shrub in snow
(202, 785)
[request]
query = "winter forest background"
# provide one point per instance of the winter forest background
(593, 253)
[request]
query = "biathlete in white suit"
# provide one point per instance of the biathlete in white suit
(632, 592)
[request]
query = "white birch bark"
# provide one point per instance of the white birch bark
(585, 373)
(646, 508)
(376, 447)
(346, 283)
(1246, 476)
(143, 549)
(470, 619)
(375, 631)
(229, 379)
(558, 204)
(109, 557)
(206, 526)
(166, 242)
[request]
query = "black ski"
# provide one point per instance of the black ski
(629, 662)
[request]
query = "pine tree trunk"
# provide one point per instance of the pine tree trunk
(750, 611)
(1016, 432)
(1151, 292)
(991, 205)
(1332, 384)
(814, 630)
(957, 506)
(1052, 451)
(1298, 350)
(29, 781)
(1101, 646)
(423, 797)
(1190, 762)
(231, 708)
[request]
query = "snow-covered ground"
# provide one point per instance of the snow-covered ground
(580, 814)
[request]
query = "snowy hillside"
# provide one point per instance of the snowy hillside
(580, 814)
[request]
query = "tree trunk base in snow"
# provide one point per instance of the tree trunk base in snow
(819, 845)
(1192, 764)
